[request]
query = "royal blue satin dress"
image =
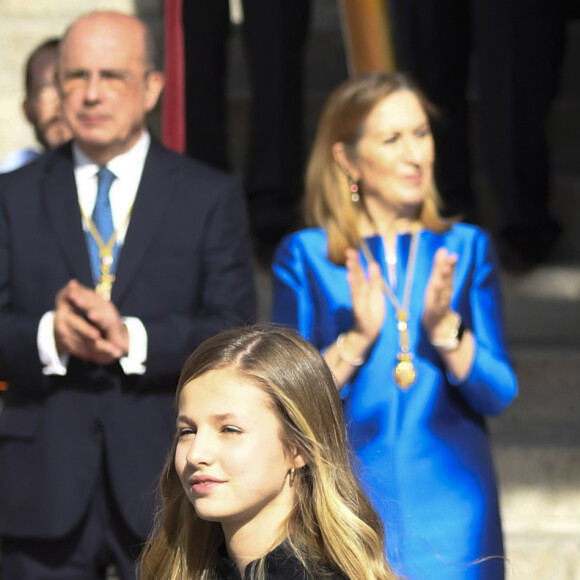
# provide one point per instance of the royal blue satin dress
(424, 452)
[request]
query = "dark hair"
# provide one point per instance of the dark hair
(47, 45)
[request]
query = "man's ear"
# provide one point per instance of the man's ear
(342, 158)
(155, 84)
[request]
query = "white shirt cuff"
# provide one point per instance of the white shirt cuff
(134, 362)
(55, 364)
(52, 362)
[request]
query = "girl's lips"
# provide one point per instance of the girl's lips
(204, 487)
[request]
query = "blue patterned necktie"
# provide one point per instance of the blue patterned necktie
(103, 220)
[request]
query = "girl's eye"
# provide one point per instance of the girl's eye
(423, 132)
(185, 432)
(230, 429)
(392, 139)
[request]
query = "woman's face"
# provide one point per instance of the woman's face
(229, 456)
(393, 160)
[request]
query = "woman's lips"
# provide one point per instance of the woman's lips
(414, 179)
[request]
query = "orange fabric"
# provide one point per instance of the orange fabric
(367, 36)
(173, 107)
(3, 386)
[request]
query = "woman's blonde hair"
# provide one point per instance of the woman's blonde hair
(328, 195)
(332, 524)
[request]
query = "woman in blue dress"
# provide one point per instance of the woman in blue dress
(406, 308)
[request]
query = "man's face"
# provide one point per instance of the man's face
(42, 106)
(106, 84)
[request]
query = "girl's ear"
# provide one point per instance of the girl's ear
(298, 459)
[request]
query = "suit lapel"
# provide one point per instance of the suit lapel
(61, 205)
(148, 212)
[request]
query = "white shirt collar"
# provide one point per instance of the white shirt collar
(128, 169)
(126, 165)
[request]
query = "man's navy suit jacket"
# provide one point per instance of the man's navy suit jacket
(184, 270)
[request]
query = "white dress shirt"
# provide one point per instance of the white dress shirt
(128, 168)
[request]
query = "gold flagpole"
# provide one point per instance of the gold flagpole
(367, 36)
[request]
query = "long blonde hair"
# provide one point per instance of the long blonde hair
(332, 524)
(328, 197)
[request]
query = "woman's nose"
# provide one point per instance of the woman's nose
(413, 151)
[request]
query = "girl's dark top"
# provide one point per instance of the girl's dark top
(281, 564)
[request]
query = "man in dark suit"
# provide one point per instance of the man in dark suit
(117, 257)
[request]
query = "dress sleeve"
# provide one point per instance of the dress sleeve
(491, 384)
(292, 299)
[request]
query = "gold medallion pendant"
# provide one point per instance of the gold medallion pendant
(106, 278)
(404, 372)
(105, 285)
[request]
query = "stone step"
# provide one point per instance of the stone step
(537, 455)
(549, 395)
(540, 510)
(543, 307)
(541, 556)
(543, 416)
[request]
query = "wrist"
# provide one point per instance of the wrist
(125, 340)
(59, 342)
(447, 334)
(352, 348)
(363, 337)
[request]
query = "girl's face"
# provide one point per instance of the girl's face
(229, 456)
(393, 160)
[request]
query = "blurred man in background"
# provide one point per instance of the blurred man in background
(41, 106)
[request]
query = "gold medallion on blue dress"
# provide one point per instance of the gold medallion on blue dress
(404, 372)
